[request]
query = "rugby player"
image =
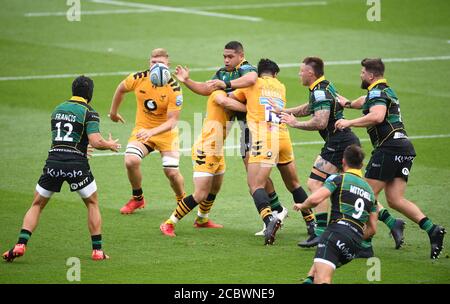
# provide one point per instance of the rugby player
(74, 125)
(353, 216)
(325, 109)
(270, 141)
(157, 114)
(236, 73)
(392, 158)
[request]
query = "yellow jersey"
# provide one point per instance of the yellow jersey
(214, 129)
(153, 103)
(257, 96)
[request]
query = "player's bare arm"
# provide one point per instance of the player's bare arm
(299, 111)
(371, 226)
(374, 117)
(354, 104)
(172, 120)
(318, 122)
(244, 81)
(201, 88)
(313, 200)
(98, 142)
(117, 100)
(230, 103)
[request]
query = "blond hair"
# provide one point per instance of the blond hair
(159, 52)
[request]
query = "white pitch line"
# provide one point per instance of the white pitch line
(177, 10)
(262, 5)
(97, 12)
(300, 143)
(144, 11)
(349, 62)
(282, 65)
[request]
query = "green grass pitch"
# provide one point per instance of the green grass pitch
(336, 30)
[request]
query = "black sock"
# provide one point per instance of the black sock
(138, 194)
(299, 195)
(96, 242)
(185, 206)
(24, 236)
(262, 203)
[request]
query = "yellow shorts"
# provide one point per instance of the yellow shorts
(272, 147)
(163, 142)
(207, 164)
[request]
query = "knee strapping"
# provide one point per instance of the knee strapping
(170, 162)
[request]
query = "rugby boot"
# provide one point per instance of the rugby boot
(16, 252)
(167, 229)
(207, 224)
(436, 241)
(271, 230)
(98, 255)
(397, 233)
(132, 205)
(312, 241)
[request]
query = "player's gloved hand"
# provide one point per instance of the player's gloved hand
(116, 117)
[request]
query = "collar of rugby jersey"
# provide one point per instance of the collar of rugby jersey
(320, 79)
(78, 98)
(240, 64)
(375, 83)
(355, 171)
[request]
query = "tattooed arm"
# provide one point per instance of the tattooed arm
(318, 122)
(300, 111)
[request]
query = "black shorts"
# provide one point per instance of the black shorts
(338, 245)
(245, 139)
(333, 150)
(385, 166)
(77, 174)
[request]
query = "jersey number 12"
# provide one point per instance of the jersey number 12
(67, 136)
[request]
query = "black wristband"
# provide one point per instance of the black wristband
(348, 104)
(227, 84)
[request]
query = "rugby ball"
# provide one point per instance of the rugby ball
(159, 74)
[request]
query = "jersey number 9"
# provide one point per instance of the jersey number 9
(359, 208)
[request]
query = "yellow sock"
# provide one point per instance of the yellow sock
(170, 222)
(180, 197)
(201, 220)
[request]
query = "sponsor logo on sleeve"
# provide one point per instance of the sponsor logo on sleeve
(319, 95)
(179, 100)
(374, 94)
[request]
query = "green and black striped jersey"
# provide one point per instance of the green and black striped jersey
(243, 68)
(352, 199)
(71, 123)
(323, 96)
(390, 134)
